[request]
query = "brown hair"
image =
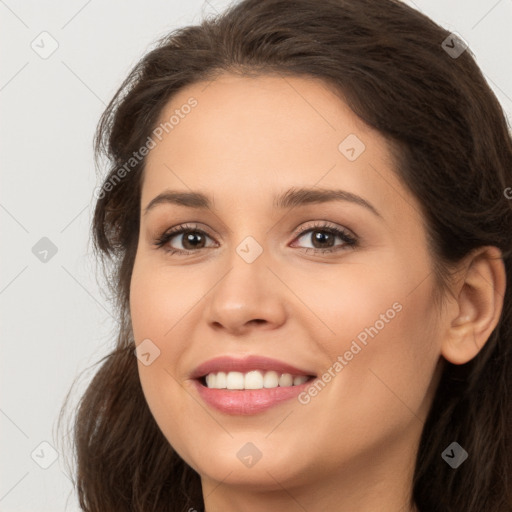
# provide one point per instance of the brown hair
(454, 151)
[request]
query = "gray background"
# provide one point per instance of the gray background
(55, 319)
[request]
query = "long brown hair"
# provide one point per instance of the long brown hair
(454, 149)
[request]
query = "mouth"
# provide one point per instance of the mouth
(249, 385)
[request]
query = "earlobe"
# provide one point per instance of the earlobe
(480, 296)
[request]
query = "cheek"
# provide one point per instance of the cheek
(158, 305)
(364, 298)
(155, 314)
(382, 390)
(383, 323)
(161, 297)
(389, 358)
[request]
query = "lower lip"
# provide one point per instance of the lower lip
(251, 401)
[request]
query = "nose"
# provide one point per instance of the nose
(247, 297)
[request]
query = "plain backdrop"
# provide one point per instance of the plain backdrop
(55, 319)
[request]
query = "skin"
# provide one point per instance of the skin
(353, 446)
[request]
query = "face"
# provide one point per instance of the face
(309, 260)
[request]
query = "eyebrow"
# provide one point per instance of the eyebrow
(292, 198)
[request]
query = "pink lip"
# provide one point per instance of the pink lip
(246, 364)
(245, 402)
(252, 401)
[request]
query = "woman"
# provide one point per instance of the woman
(308, 230)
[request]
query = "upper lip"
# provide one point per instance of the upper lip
(245, 364)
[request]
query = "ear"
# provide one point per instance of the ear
(479, 296)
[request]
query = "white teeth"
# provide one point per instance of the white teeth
(210, 380)
(253, 380)
(235, 380)
(286, 380)
(220, 380)
(300, 379)
(271, 380)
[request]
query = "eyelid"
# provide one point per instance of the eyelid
(326, 225)
(180, 229)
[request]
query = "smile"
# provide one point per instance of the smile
(248, 385)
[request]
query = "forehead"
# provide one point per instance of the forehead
(261, 116)
(253, 136)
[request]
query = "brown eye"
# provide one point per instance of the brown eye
(189, 238)
(192, 240)
(323, 238)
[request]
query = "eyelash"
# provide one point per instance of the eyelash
(349, 240)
